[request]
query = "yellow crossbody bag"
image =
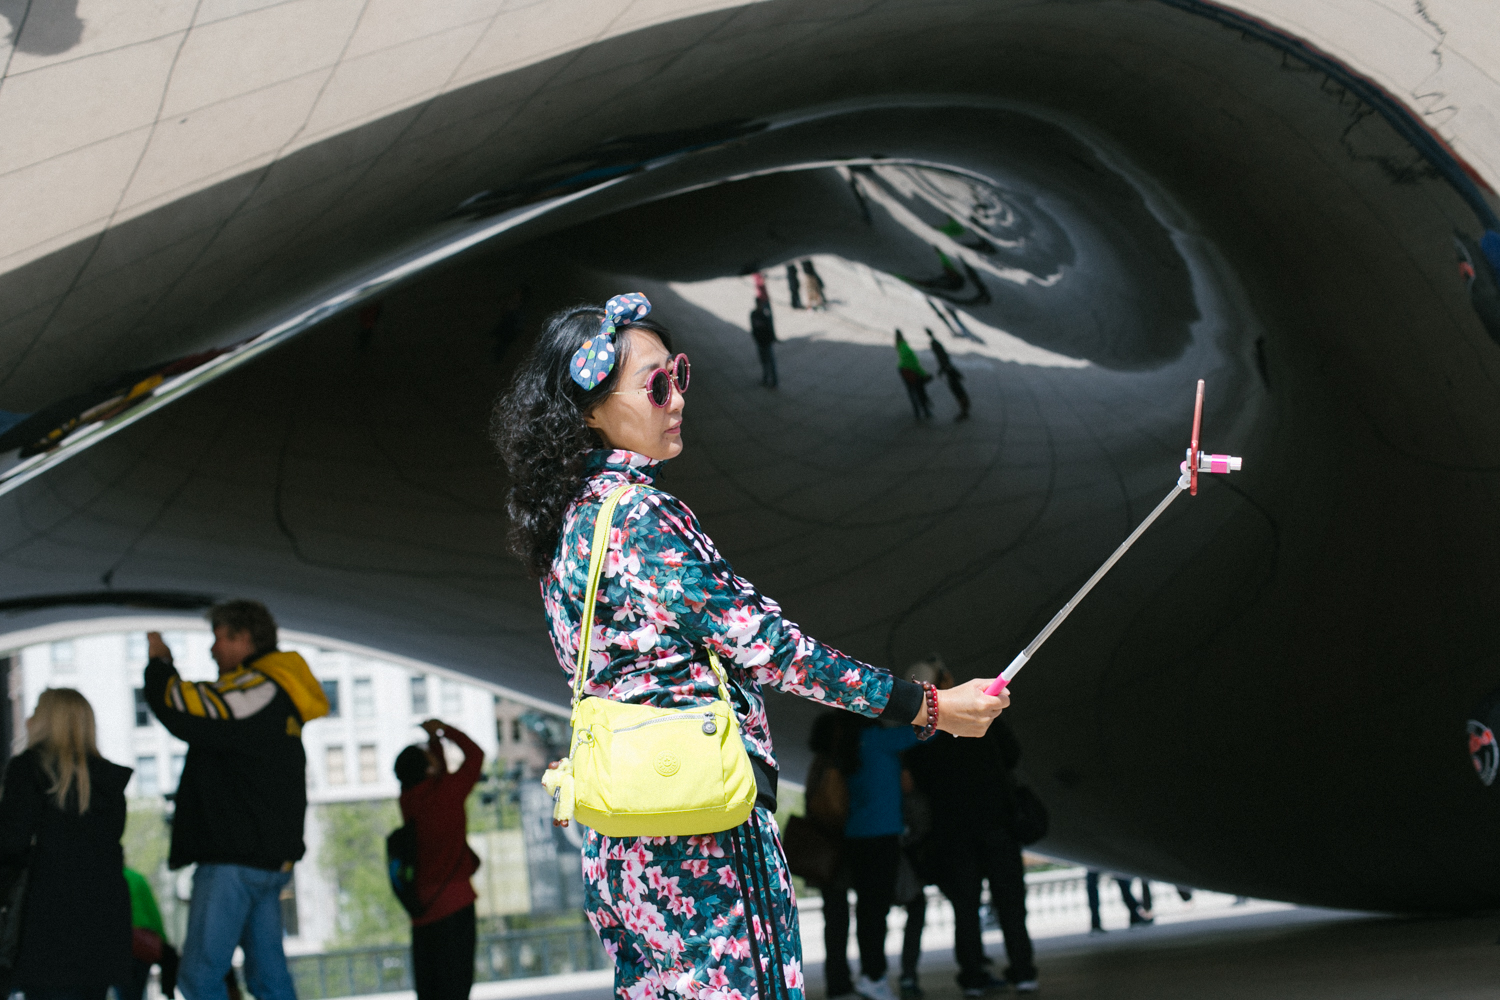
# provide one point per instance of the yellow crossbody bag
(642, 771)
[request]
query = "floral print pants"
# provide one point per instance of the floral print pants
(710, 917)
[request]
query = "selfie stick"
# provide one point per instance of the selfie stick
(1196, 462)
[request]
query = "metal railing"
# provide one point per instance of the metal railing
(543, 951)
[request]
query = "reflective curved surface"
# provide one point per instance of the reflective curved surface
(1090, 206)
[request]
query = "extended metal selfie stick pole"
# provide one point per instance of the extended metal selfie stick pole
(1196, 462)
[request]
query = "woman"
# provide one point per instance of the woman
(75, 924)
(597, 405)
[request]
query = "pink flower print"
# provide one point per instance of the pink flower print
(721, 922)
(755, 928)
(641, 989)
(740, 948)
(850, 677)
(632, 884)
(718, 946)
(697, 868)
(682, 905)
(718, 978)
(708, 844)
(645, 637)
(740, 622)
(611, 948)
(670, 557)
(792, 973)
(727, 877)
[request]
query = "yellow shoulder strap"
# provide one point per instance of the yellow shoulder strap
(597, 549)
(596, 564)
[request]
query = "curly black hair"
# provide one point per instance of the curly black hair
(538, 427)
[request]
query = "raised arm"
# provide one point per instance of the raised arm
(669, 574)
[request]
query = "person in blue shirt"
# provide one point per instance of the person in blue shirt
(871, 855)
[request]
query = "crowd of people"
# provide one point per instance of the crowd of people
(85, 923)
(643, 613)
(908, 366)
(905, 815)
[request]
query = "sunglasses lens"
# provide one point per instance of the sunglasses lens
(660, 387)
(683, 370)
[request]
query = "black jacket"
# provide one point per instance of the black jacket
(75, 925)
(243, 793)
(968, 782)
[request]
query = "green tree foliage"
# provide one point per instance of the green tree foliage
(353, 859)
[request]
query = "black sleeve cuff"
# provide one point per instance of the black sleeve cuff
(905, 702)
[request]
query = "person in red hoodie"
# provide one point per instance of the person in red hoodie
(432, 799)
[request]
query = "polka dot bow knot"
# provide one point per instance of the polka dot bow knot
(596, 357)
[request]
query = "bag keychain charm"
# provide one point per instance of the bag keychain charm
(1195, 463)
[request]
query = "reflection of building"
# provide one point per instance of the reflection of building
(376, 707)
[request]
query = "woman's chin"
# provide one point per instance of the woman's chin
(671, 447)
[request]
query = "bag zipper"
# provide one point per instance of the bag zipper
(705, 716)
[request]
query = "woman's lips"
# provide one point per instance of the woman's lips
(675, 429)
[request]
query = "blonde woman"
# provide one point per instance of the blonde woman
(75, 925)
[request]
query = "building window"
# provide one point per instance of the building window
(176, 763)
(334, 765)
(135, 647)
(367, 775)
(142, 710)
(419, 695)
(364, 698)
(453, 698)
(62, 657)
(145, 776)
(515, 730)
(331, 692)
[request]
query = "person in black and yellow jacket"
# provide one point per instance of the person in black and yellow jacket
(242, 796)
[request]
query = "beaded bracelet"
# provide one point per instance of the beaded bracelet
(930, 692)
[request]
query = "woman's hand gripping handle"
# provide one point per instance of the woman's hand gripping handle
(965, 709)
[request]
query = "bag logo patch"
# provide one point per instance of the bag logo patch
(667, 764)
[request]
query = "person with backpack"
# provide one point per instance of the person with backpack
(435, 888)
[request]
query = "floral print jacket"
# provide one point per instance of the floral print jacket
(666, 595)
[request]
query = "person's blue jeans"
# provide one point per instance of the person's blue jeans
(235, 905)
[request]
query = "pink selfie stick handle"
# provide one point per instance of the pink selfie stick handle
(999, 683)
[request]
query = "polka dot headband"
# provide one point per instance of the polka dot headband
(594, 360)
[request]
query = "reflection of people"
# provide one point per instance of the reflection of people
(75, 922)
(242, 798)
(1140, 911)
(764, 332)
(814, 284)
(369, 319)
(761, 295)
(713, 912)
(914, 376)
(512, 310)
(443, 937)
(970, 788)
(953, 375)
(794, 285)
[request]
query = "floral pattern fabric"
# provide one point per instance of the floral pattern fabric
(665, 596)
(712, 917)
